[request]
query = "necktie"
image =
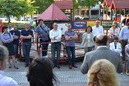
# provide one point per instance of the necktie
(115, 46)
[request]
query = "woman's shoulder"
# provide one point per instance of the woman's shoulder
(9, 81)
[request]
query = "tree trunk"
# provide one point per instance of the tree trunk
(89, 13)
(8, 16)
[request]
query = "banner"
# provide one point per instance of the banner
(79, 24)
(107, 24)
(91, 23)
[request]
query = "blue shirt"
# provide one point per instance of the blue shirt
(6, 81)
(26, 33)
(43, 32)
(70, 33)
(6, 37)
(124, 33)
(17, 33)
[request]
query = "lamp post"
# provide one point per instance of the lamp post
(99, 10)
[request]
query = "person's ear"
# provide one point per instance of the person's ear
(97, 44)
(1, 64)
(107, 43)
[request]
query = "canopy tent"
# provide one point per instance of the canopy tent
(120, 4)
(52, 13)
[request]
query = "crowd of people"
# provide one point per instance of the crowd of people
(102, 56)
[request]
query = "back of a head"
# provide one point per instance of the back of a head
(40, 73)
(101, 39)
(102, 73)
(4, 27)
(3, 53)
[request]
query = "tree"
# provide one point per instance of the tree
(15, 8)
(89, 4)
(42, 5)
(76, 4)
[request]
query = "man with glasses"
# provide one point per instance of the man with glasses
(55, 36)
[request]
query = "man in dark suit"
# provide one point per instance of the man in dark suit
(102, 52)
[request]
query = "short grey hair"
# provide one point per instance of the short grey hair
(3, 53)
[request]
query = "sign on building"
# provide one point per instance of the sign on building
(79, 24)
(107, 24)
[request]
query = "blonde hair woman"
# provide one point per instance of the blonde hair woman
(114, 30)
(102, 73)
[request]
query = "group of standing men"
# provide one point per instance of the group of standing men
(10, 37)
(55, 36)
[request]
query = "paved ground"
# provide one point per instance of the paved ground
(65, 76)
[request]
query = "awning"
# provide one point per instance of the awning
(52, 13)
(120, 4)
(64, 4)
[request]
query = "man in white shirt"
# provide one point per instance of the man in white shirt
(4, 80)
(116, 46)
(97, 29)
(55, 36)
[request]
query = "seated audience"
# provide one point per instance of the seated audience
(102, 73)
(116, 46)
(114, 31)
(102, 52)
(4, 80)
(41, 73)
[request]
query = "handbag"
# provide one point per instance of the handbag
(46, 32)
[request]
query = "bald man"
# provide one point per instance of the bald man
(102, 52)
(26, 36)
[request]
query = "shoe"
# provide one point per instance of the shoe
(26, 65)
(58, 67)
(74, 66)
(10, 66)
(16, 67)
(53, 67)
(127, 73)
(70, 67)
(121, 73)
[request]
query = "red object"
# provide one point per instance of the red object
(120, 4)
(52, 13)
(64, 4)
(118, 18)
(1, 26)
(127, 21)
(107, 2)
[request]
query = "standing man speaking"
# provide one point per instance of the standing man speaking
(102, 52)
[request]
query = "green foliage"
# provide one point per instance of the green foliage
(101, 1)
(76, 4)
(41, 5)
(16, 8)
(20, 24)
